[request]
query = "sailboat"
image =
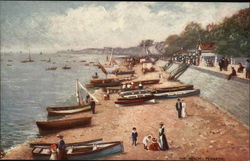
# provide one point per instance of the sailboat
(28, 60)
(66, 110)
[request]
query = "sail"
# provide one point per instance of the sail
(77, 92)
(88, 92)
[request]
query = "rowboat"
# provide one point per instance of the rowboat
(124, 72)
(177, 94)
(79, 152)
(146, 81)
(44, 145)
(109, 80)
(66, 110)
(66, 67)
(106, 80)
(137, 91)
(51, 126)
(172, 89)
(135, 101)
(94, 76)
(110, 84)
(51, 68)
(135, 96)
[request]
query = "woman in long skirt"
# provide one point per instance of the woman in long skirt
(183, 110)
(163, 140)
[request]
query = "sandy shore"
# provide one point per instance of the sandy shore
(206, 132)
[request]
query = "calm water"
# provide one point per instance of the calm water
(27, 88)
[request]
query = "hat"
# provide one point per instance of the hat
(161, 123)
(59, 136)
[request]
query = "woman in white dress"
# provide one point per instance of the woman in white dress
(183, 111)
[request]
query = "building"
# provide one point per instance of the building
(207, 53)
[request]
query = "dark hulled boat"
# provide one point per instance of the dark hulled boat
(134, 100)
(144, 82)
(51, 126)
(87, 151)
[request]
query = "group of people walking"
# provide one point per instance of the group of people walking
(181, 108)
(150, 142)
(223, 64)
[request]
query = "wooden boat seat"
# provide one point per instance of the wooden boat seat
(45, 151)
(37, 150)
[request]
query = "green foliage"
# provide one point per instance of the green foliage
(231, 36)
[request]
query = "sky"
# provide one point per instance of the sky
(50, 26)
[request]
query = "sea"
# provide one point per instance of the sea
(28, 88)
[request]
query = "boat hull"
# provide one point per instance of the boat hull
(114, 148)
(172, 89)
(67, 110)
(136, 101)
(125, 72)
(51, 126)
(177, 94)
(39, 144)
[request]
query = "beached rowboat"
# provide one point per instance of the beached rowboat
(110, 84)
(134, 101)
(137, 91)
(48, 126)
(173, 88)
(146, 81)
(66, 110)
(79, 152)
(124, 72)
(177, 94)
(46, 145)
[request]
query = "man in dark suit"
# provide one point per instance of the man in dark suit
(92, 104)
(178, 106)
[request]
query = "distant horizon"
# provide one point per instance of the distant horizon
(62, 25)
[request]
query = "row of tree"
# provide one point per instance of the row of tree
(231, 36)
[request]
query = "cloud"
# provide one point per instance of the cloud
(123, 24)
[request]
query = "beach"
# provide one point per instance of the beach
(207, 133)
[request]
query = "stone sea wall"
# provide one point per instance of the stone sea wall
(232, 96)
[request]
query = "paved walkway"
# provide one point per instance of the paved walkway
(217, 69)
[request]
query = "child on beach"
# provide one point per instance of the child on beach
(134, 136)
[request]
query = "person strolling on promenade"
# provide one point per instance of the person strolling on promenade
(183, 111)
(134, 136)
(163, 140)
(221, 62)
(146, 140)
(178, 106)
(248, 69)
(61, 148)
(232, 74)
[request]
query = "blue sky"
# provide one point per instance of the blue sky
(58, 25)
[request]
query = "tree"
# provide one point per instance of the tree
(232, 35)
